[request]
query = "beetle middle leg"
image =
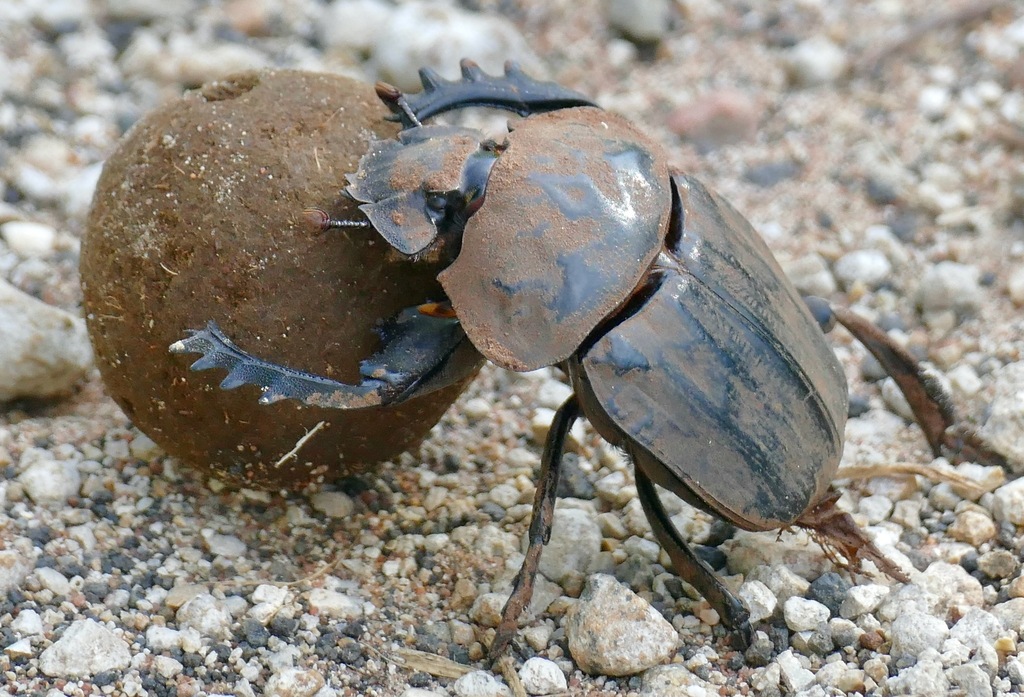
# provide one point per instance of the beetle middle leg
(931, 405)
(540, 525)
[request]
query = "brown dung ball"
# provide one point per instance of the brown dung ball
(198, 216)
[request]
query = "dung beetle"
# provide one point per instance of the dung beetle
(573, 243)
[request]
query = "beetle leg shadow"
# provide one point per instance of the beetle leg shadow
(932, 407)
(688, 565)
(540, 525)
(420, 353)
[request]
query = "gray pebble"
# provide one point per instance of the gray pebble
(575, 541)
(802, 614)
(44, 350)
(794, 676)
(868, 267)
(1008, 502)
(759, 599)
(949, 285)
(815, 61)
(643, 21)
(1004, 428)
(86, 648)
(480, 683)
(613, 631)
(47, 480)
(811, 275)
(914, 632)
(206, 615)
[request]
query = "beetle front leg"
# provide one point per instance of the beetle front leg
(540, 525)
(688, 565)
(514, 91)
(423, 350)
(932, 407)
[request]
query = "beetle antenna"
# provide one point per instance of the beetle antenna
(322, 221)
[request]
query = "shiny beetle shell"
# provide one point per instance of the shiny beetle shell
(575, 211)
(720, 379)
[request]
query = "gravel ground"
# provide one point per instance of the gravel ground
(877, 147)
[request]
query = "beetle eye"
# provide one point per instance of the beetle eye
(436, 201)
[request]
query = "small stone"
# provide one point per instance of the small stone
(53, 580)
(575, 541)
(480, 683)
(206, 615)
(478, 408)
(925, 677)
(781, 581)
(676, 679)
(612, 631)
(1004, 428)
(869, 267)
(228, 546)
(438, 35)
(44, 350)
(971, 679)
(505, 495)
(976, 629)
(1008, 502)
(160, 639)
(1011, 614)
(830, 590)
(811, 275)
(27, 623)
(294, 682)
(759, 599)
(861, 600)
(949, 285)
(553, 393)
(143, 447)
(844, 632)
(167, 667)
(803, 615)
(815, 61)
(86, 648)
(542, 677)
(182, 593)
(642, 21)
(47, 480)
(933, 101)
(1015, 286)
(914, 632)
(19, 649)
(15, 565)
(998, 563)
(334, 604)
(973, 527)
(28, 239)
(333, 504)
(794, 676)
(718, 119)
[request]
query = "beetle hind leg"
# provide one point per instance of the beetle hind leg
(932, 406)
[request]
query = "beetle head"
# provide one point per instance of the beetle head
(418, 191)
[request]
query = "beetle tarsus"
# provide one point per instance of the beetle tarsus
(540, 525)
(689, 566)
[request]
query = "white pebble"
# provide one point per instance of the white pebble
(802, 614)
(47, 480)
(480, 683)
(333, 504)
(28, 239)
(867, 266)
(542, 677)
(613, 631)
(86, 648)
(794, 676)
(815, 61)
(27, 623)
(334, 604)
(759, 599)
